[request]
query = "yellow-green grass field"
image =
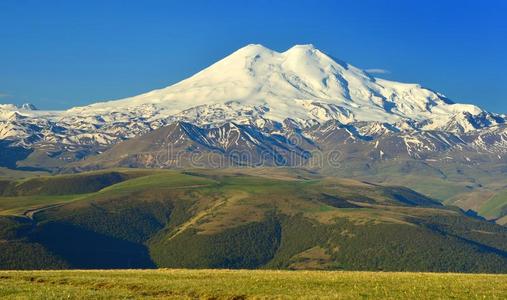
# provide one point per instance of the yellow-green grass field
(247, 284)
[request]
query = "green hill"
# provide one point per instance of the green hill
(237, 218)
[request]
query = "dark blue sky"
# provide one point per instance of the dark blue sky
(58, 54)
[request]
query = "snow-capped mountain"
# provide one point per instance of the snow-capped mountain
(255, 84)
(273, 94)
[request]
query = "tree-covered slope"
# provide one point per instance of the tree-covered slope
(239, 218)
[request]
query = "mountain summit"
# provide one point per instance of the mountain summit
(303, 84)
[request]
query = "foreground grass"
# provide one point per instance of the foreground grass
(228, 284)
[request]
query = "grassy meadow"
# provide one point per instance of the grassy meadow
(247, 284)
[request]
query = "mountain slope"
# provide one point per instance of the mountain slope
(246, 218)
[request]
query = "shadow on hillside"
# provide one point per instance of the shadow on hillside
(85, 249)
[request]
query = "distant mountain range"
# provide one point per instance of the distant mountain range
(259, 107)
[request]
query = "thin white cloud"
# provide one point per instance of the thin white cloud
(378, 71)
(4, 95)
